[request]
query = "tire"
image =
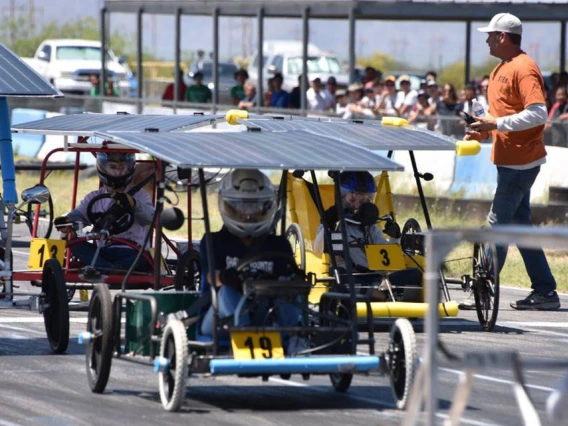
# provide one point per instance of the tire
(174, 348)
(296, 240)
(403, 361)
(2, 268)
(341, 381)
(188, 272)
(411, 226)
(56, 316)
(98, 353)
(486, 285)
(45, 222)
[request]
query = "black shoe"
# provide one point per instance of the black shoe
(90, 274)
(537, 302)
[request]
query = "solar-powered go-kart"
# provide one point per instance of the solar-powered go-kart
(305, 212)
(139, 327)
(50, 265)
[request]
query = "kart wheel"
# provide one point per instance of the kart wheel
(341, 381)
(296, 240)
(411, 226)
(99, 349)
(70, 294)
(486, 285)
(56, 315)
(403, 361)
(172, 381)
(2, 268)
(188, 272)
(45, 220)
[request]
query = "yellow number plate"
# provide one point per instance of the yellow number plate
(42, 249)
(261, 345)
(385, 257)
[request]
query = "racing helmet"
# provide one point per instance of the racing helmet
(116, 169)
(247, 203)
(357, 182)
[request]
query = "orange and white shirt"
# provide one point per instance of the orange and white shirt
(515, 85)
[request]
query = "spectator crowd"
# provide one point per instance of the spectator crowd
(434, 105)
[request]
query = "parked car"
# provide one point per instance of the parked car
(226, 72)
(67, 64)
(285, 56)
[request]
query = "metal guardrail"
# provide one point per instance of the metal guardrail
(426, 389)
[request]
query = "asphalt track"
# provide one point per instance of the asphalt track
(39, 388)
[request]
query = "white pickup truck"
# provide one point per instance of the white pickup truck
(67, 64)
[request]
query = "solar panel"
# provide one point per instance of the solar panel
(18, 79)
(265, 150)
(86, 124)
(366, 133)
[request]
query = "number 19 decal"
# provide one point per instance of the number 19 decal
(256, 345)
(264, 343)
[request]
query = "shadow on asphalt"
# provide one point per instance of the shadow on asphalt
(34, 346)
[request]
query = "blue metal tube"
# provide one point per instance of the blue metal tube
(314, 365)
(7, 155)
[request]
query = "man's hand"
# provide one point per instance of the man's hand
(473, 135)
(486, 123)
(124, 200)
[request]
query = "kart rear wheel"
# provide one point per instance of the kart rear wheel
(172, 380)
(4, 280)
(411, 226)
(296, 240)
(188, 272)
(403, 361)
(99, 350)
(486, 285)
(341, 381)
(56, 315)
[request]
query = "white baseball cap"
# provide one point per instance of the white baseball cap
(504, 23)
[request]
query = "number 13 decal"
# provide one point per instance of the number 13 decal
(41, 252)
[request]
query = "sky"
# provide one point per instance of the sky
(421, 44)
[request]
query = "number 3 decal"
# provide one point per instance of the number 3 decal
(386, 260)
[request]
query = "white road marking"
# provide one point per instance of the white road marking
(27, 330)
(32, 320)
(536, 324)
(375, 401)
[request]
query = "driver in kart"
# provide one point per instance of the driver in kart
(248, 204)
(115, 170)
(357, 189)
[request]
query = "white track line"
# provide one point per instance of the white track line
(32, 320)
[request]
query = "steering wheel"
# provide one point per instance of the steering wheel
(117, 219)
(290, 266)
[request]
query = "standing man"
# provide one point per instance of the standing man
(516, 119)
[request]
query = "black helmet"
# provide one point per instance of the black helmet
(116, 169)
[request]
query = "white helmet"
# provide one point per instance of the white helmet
(247, 202)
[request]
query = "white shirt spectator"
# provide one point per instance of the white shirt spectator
(410, 99)
(316, 101)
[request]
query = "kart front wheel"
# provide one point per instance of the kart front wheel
(56, 314)
(403, 360)
(172, 380)
(341, 381)
(99, 349)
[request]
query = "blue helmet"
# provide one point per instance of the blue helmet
(360, 182)
(116, 169)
